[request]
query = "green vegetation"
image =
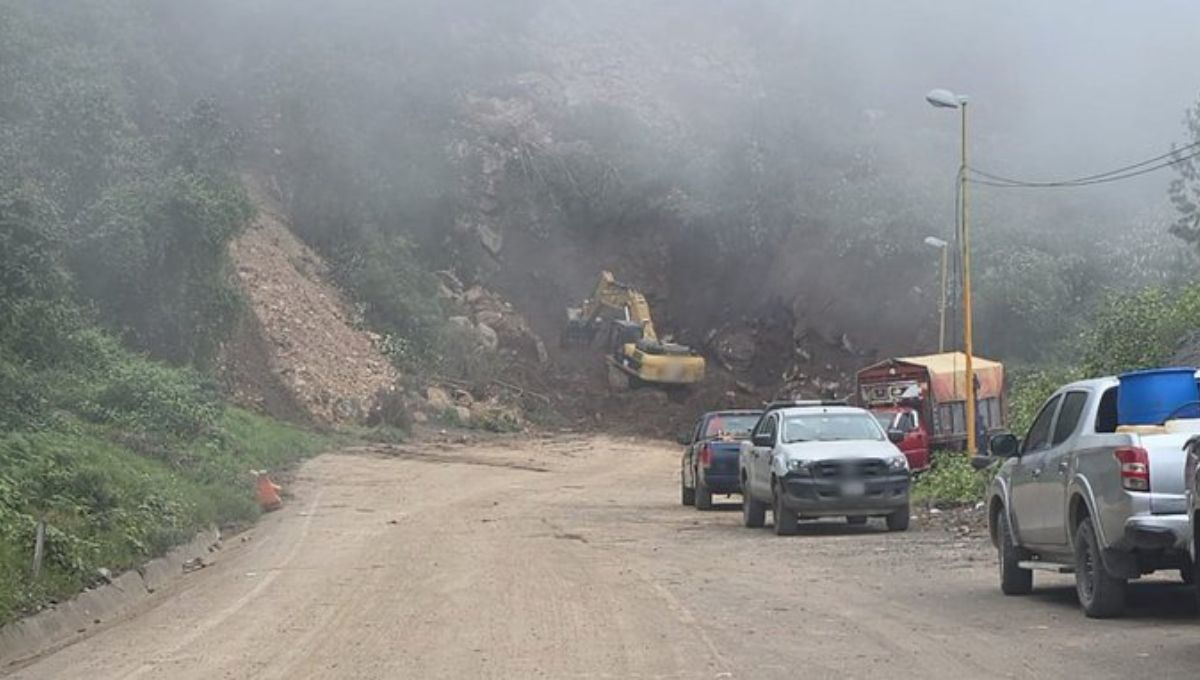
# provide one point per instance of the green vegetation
(1134, 330)
(113, 499)
(118, 198)
(951, 482)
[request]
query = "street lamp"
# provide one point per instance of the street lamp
(945, 99)
(939, 243)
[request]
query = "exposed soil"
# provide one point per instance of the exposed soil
(570, 557)
(308, 352)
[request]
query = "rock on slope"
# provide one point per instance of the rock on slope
(331, 371)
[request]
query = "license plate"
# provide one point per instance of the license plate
(854, 489)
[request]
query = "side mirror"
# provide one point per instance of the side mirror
(1004, 445)
(684, 438)
(763, 440)
(895, 436)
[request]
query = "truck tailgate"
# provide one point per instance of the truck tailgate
(1167, 484)
(725, 458)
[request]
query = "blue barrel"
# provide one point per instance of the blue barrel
(1150, 397)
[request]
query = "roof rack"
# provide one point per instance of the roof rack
(792, 403)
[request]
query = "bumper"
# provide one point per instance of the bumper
(1157, 532)
(815, 497)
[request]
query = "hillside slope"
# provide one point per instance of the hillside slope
(298, 352)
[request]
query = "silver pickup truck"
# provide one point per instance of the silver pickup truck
(1077, 496)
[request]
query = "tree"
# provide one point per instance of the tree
(1185, 189)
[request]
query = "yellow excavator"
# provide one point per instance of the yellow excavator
(619, 316)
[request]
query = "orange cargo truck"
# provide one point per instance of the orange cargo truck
(925, 398)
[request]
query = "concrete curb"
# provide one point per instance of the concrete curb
(72, 620)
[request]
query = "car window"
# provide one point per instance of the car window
(1039, 432)
(766, 427)
(1068, 416)
(1106, 413)
(696, 430)
(830, 427)
(907, 422)
(731, 424)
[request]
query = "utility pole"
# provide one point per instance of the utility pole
(968, 326)
(944, 99)
(945, 248)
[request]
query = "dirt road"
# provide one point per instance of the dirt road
(571, 558)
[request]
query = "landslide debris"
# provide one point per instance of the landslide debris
(316, 361)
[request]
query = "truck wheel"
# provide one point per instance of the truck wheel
(786, 521)
(686, 496)
(856, 520)
(898, 521)
(754, 513)
(1013, 579)
(1100, 595)
(703, 495)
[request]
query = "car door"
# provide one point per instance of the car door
(1028, 470)
(760, 463)
(1050, 488)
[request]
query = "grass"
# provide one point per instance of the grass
(951, 482)
(114, 500)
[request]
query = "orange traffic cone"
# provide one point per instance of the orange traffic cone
(268, 492)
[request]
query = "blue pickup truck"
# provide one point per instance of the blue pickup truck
(710, 460)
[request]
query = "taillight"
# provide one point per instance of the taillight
(1135, 467)
(706, 456)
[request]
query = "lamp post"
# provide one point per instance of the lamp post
(939, 243)
(945, 99)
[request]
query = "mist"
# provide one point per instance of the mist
(771, 161)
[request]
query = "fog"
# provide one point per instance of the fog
(685, 144)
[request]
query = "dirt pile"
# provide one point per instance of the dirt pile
(316, 361)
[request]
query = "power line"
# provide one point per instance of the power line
(1126, 172)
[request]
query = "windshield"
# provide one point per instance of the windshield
(740, 424)
(830, 427)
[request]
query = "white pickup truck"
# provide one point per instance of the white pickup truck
(1077, 496)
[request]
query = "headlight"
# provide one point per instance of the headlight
(898, 464)
(798, 466)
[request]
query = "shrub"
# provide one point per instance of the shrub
(951, 481)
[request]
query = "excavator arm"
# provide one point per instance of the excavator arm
(621, 298)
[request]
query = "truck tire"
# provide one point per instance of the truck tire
(1101, 595)
(786, 521)
(856, 520)
(898, 521)
(1013, 579)
(754, 513)
(686, 496)
(703, 495)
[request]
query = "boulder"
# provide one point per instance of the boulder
(487, 337)
(489, 317)
(438, 398)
